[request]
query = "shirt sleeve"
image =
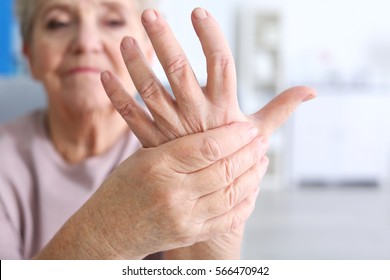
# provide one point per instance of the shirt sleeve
(10, 243)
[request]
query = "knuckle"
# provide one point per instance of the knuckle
(182, 231)
(174, 220)
(186, 240)
(222, 59)
(223, 63)
(236, 221)
(126, 110)
(230, 168)
(149, 88)
(254, 154)
(172, 198)
(233, 195)
(179, 227)
(258, 173)
(177, 64)
(211, 149)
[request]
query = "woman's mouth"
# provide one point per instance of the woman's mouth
(84, 70)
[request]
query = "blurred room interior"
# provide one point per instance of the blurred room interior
(327, 191)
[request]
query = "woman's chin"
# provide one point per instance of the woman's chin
(86, 101)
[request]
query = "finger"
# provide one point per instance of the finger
(221, 79)
(222, 201)
(279, 109)
(194, 152)
(225, 171)
(230, 221)
(135, 116)
(173, 60)
(156, 98)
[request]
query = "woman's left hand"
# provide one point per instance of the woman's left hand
(194, 108)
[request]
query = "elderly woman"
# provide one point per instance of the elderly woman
(64, 192)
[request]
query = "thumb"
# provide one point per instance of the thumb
(279, 109)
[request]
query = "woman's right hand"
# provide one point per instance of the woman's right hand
(185, 191)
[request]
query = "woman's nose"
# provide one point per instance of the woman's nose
(87, 38)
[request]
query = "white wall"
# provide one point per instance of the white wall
(341, 47)
(343, 44)
(322, 40)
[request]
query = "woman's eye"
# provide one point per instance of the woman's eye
(115, 23)
(56, 24)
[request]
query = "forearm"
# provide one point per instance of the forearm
(77, 240)
(153, 203)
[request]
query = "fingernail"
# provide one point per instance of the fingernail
(149, 16)
(200, 13)
(311, 96)
(105, 76)
(127, 43)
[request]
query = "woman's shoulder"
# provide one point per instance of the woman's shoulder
(20, 130)
(16, 137)
(21, 127)
(16, 178)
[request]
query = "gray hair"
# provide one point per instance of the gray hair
(26, 9)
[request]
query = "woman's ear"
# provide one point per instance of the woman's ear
(27, 55)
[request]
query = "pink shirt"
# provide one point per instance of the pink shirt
(39, 191)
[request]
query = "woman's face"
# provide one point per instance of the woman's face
(73, 41)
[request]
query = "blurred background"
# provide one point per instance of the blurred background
(327, 191)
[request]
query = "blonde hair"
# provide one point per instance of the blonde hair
(26, 9)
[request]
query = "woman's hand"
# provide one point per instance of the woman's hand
(195, 108)
(182, 192)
